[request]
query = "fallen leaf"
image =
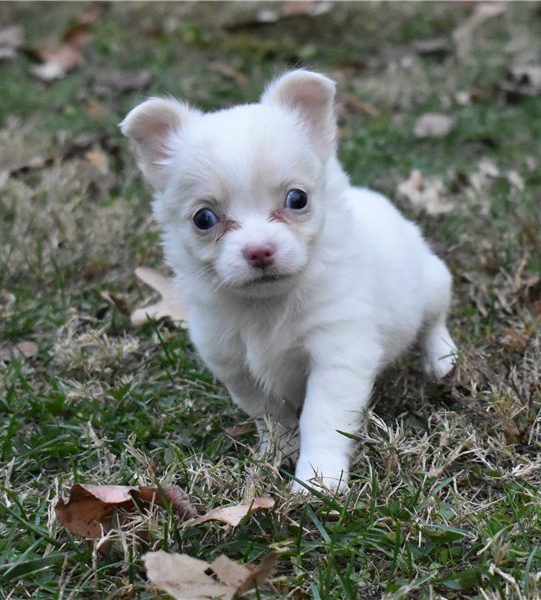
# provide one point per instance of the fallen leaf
(231, 73)
(11, 39)
(117, 301)
(188, 578)
(89, 510)
(426, 193)
(179, 500)
(22, 349)
(57, 63)
(351, 104)
(170, 304)
(233, 515)
(259, 574)
(184, 577)
(433, 125)
(237, 430)
(513, 341)
(284, 10)
(98, 159)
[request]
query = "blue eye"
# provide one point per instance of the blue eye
(296, 199)
(205, 219)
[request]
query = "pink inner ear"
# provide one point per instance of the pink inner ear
(153, 134)
(309, 97)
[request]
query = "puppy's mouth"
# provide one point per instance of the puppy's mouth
(268, 278)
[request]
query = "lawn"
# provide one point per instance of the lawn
(445, 498)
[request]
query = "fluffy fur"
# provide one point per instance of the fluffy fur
(295, 308)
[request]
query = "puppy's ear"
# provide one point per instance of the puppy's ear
(311, 96)
(151, 126)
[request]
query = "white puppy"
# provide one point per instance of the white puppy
(300, 288)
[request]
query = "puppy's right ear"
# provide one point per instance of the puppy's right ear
(152, 126)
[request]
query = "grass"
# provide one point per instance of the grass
(445, 500)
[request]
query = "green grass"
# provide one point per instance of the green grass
(445, 499)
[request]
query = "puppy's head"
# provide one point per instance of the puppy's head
(240, 192)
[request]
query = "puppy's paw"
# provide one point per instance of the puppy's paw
(440, 353)
(330, 476)
(438, 368)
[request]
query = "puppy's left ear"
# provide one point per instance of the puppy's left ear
(311, 96)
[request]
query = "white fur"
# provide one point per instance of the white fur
(351, 286)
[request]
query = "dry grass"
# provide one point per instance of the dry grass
(445, 499)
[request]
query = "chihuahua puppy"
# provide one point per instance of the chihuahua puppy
(300, 288)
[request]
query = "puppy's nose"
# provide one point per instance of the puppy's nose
(259, 255)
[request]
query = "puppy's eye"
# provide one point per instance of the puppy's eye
(205, 219)
(296, 199)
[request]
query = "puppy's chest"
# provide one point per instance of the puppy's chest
(276, 356)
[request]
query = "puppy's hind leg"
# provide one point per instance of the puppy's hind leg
(438, 348)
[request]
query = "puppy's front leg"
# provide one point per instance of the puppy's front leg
(335, 399)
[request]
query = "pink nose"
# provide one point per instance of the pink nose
(260, 256)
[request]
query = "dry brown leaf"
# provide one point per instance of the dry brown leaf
(237, 430)
(57, 63)
(259, 574)
(433, 125)
(228, 71)
(117, 301)
(283, 10)
(425, 193)
(179, 500)
(188, 578)
(89, 510)
(233, 515)
(184, 577)
(514, 341)
(77, 36)
(99, 160)
(170, 304)
(22, 349)
(350, 104)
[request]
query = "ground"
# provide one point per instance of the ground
(445, 499)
